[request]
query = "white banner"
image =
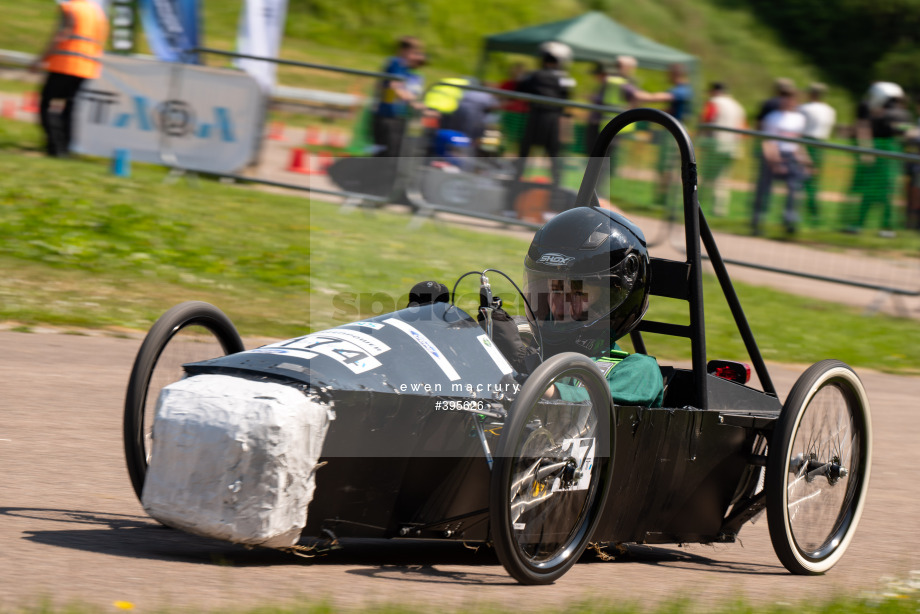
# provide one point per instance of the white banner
(260, 32)
(182, 115)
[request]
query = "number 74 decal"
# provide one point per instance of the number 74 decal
(352, 349)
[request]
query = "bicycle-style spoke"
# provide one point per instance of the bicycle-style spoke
(817, 497)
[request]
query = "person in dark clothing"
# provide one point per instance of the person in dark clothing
(543, 124)
(471, 115)
(395, 98)
(781, 87)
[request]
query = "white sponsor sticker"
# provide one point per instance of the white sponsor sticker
(275, 350)
(347, 352)
(582, 451)
(519, 526)
(428, 346)
(496, 355)
(292, 367)
(374, 325)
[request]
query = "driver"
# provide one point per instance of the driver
(586, 280)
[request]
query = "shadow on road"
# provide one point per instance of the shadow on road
(400, 560)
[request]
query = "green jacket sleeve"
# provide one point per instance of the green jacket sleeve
(635, 380)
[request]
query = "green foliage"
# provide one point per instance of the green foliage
(734, 44)
(846, 38)
(900, 65)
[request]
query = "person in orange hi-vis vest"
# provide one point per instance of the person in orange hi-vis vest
(71, 57)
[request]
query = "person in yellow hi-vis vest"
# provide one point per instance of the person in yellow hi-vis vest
(613, 91)
(71, 57)
(616, 88)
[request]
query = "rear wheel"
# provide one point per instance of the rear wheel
(552, 469)
(189, 332)
(818, 468)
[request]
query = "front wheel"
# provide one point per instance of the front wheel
(818, 468)
(552, 469)
(189, 332)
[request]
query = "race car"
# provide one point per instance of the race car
(414, 424)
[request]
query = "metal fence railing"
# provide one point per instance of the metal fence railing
(851, 202)
(851, 191)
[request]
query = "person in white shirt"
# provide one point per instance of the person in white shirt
(721, 146)
(783, 160)
(820, 118)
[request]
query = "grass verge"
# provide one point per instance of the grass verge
(80, 247)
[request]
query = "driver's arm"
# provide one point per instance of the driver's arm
(505, 334)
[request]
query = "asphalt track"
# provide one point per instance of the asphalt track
(71, 529)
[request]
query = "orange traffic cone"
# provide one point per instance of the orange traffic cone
(276, 131)
(298, 158)
(30, 102)
(315, 136)
(8, 110)
(338, 139)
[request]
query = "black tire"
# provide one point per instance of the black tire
(195, 322)
(559, 509)
(813, 505)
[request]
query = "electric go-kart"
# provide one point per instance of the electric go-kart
(433, 437)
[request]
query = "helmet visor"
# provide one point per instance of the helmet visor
(573, 301)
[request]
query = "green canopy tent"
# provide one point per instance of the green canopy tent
(593, 37)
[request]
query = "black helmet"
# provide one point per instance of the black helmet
(586, 277)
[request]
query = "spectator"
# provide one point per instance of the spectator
(472, 115)
(679, 99)
(629, 91)
(721, 147)
(614, 89)
(783, 160)
(680, 96)
(820, 118)
(781, 86)
(514, 111)
(912, 145)
(71, 57)
(396, 97)
(880, 119)
(543, 124)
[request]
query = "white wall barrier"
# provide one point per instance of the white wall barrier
(191, 117)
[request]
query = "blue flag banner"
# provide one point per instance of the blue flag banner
(172, 28)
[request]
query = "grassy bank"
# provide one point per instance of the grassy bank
(82, 248)
(733, 44)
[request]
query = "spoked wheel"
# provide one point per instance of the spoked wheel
(818, 468)
(189, 332)
(552, 469)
